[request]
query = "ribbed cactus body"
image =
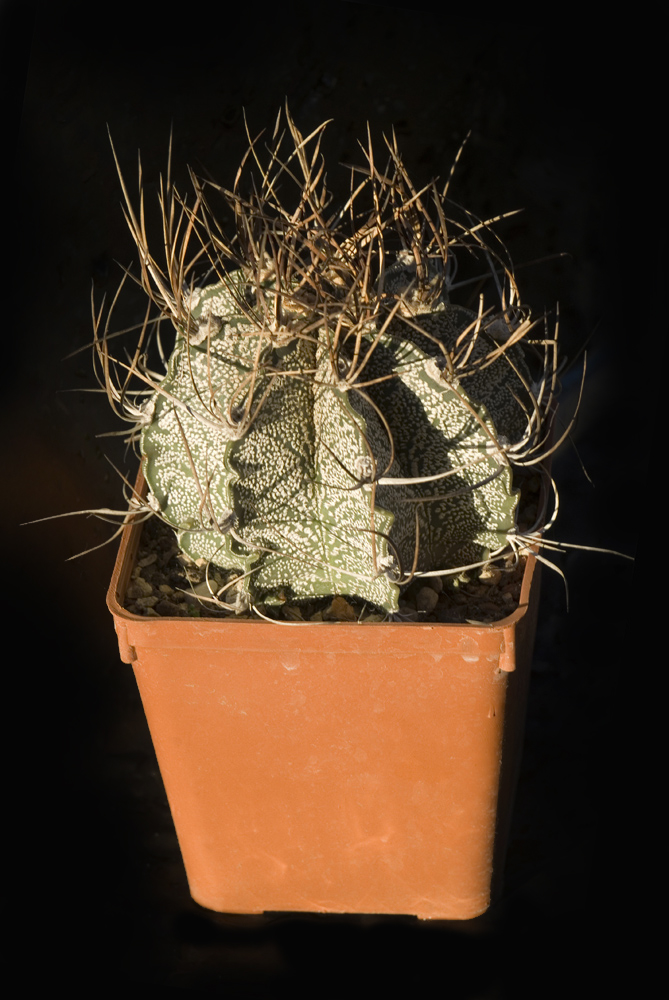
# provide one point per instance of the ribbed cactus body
(329, 421)
(313, 473)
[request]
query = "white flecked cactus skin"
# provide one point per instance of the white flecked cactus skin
(330, 422)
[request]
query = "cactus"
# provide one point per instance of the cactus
(330, 421)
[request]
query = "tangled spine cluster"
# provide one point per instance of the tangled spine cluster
(329, 420)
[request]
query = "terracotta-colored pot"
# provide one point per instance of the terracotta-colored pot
(338, 767)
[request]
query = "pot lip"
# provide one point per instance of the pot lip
(130, 542)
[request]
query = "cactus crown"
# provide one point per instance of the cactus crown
(329, 421)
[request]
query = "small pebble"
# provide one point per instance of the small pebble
(166, 608)
(490, 575)
(146, 602)
(426, 599)
(139, 588)
(293, 613)
(340, 610)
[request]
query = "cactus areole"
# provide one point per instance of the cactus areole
(331, 421)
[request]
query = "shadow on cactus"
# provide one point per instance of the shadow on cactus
(330, 421)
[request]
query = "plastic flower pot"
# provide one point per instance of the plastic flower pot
(337, 767)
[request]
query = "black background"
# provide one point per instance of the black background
(563, 125)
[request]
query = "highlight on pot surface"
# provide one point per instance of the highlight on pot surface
(345, 410)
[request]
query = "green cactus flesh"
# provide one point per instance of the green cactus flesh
(269, 463)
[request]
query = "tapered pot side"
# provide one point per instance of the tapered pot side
(334, 767)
